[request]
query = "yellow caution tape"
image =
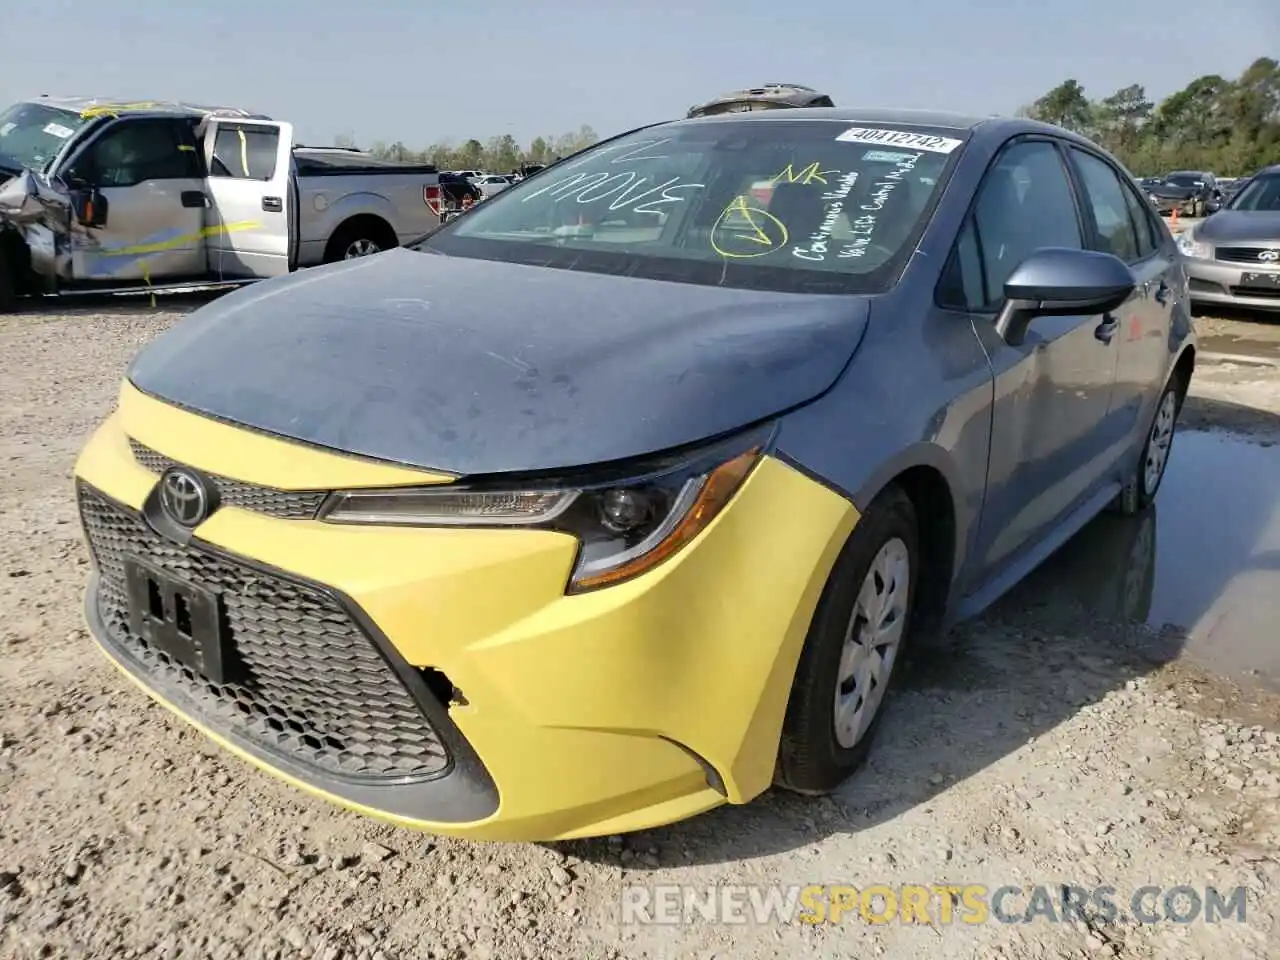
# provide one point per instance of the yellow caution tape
(163, 245)
(115, 109)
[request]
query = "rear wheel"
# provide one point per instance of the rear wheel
(359, 238)
(851, 657)
(1144, 484)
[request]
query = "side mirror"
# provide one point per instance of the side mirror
(1061, 282)
(90, 206)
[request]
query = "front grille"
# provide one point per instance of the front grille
(1263, 293)
(308, 684)
(286, 504)
(1244, 255)
(1205, 286)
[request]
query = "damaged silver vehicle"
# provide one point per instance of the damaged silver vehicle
(100, 196)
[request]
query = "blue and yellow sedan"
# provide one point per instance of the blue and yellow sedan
(621, 496)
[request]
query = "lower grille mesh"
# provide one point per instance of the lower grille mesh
(309, 683)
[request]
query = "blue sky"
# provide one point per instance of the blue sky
(422, 71)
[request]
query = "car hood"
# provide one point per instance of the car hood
(1236, 225)
(473, 366)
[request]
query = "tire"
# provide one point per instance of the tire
(8, 297)
(355, 240)
(1148, 473)
(813, 756)
(1197, 208)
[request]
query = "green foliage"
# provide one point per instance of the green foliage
(499, 155)
(1228, 127)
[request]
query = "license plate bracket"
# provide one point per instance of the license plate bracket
(1262, 281)
(184, 620)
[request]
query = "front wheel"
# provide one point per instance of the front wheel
(852, 653)
(8, 299)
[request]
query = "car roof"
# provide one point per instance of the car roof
(994, 126)
(110, 106)
(923, 118)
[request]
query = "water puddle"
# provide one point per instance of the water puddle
(1203, 563)
(1263, 348)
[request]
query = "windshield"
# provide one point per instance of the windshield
(788, 205)
(31, 134)
(1185, 179)
(1261, 194)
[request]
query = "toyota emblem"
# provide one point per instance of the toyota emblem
(1269, 256)
(184, 496)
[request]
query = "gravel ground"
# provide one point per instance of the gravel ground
(1043, 748)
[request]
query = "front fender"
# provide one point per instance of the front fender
(917, 394)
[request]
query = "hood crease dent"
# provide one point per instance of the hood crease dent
(476, 367)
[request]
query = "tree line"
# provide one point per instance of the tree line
(496, 155)
(1227, 127)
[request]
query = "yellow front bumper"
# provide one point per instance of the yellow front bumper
(625, 708)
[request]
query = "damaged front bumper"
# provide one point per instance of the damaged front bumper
(40, 212)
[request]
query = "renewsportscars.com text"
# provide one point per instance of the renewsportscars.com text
(932, 904)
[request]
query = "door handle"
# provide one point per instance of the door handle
(194, 198)
(1162, 293)
(272, 204)
(1106, 330)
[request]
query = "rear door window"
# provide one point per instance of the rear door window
(1116, 231)
(245, 151)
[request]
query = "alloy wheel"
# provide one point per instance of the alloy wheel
(363, 247)
(1159, 442)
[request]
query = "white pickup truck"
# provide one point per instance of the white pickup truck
(101, 196)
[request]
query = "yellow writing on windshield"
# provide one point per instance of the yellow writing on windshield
(810, 174)
(742, 231)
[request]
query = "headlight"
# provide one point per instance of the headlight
(626, 522)
(1193, 248)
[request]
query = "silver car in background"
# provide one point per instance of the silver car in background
(1233, 257)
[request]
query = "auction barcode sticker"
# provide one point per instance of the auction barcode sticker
(900, 138)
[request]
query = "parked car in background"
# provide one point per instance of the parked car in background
(113, 196)
(1192, 193)
(769, 96)
(1230, 186)
(640, 517)
(493, 183)
(1233, 258)
(459, 194)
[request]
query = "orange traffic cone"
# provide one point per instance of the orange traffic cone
(1175, 216)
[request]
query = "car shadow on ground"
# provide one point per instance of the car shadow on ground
(113, 305)
(1077, 628)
